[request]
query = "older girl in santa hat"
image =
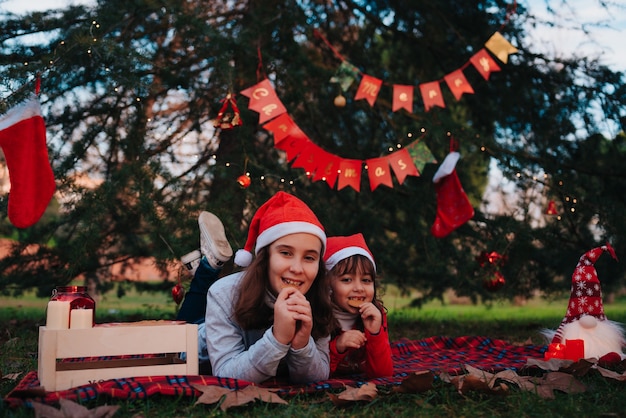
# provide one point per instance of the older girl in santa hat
(360, 341)
(274, 317)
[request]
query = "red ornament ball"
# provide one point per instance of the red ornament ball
(244, 181)
(495, 282)
(178, 293)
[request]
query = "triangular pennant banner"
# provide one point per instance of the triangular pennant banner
(431, 95)
(327, 167)
(402, 98)
(345, 75)
(379, 173)
(306, 158)
(282, 127)
(402, 165)
(292, 146)
(484, 64)
(500, 47)
(420, 154)
(368, 89)
(458, 84)
(263, 99)
(350, 174)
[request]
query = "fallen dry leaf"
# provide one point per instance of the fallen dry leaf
(213, 394)
(554, 364)
(70, 409)
(470, 383)
(11, 376)
(366, 392)
(563, 382)
(611, 374)
(416, 382)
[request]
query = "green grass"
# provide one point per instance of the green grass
(20, 318)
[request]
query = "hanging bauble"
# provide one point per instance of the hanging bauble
(340, 101)
(490, 258)
(178, 293)
(494, 282)
(552, 208)
(244, 181)
(228, 120)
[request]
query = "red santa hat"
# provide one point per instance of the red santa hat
(283, 214)
(586, 292)
(340, 248)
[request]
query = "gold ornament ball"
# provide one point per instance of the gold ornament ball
(340, 101)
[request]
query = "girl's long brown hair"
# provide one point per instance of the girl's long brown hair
(251, 311)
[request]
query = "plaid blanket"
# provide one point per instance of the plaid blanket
(437, 354)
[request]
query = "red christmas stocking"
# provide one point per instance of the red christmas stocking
(453, 206)
(23, 141)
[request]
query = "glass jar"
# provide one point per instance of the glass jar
(78, 298)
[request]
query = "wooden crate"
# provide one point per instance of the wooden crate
(161, 341)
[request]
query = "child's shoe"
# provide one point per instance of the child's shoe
(213, 243)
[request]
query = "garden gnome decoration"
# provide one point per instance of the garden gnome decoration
(585, 319)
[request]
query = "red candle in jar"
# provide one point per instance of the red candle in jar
(78, 298)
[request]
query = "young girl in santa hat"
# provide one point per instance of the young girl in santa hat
(275, 316)
(360, 341)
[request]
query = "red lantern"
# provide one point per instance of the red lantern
(244, 181)
(552, 208)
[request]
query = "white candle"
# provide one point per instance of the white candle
(58, 314)
(81, 318)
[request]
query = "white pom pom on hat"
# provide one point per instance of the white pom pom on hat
(283, 214)
(341, 247)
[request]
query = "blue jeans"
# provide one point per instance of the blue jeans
(193, 308)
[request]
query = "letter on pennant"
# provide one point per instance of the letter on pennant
(379, 172)
(484, 64)
(402, 165)
(431, 95)
(264, 101)
(458, 84)
(368, 89)
(350, 174)
(402, 98)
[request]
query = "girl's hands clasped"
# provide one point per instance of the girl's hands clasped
(293, 318)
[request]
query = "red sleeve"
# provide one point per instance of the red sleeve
(378, 352)
(335, 356)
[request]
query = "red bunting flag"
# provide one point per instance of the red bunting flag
(402, 165)
(368, 89)
(458, 84)
(402, 98)
(327, 167)
(282, 127)
(379, 173)
(484, 63)
(350, 174)
(292, 146)
(306, 158)
(263, 99)
(431, 94)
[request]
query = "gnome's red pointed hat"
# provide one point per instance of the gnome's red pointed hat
(586, 292)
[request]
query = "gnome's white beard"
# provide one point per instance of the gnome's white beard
(600, 337)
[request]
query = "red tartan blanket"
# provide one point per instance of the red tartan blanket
(437, 354)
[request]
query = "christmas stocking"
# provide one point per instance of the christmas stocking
(23, 141)
(453, 206)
